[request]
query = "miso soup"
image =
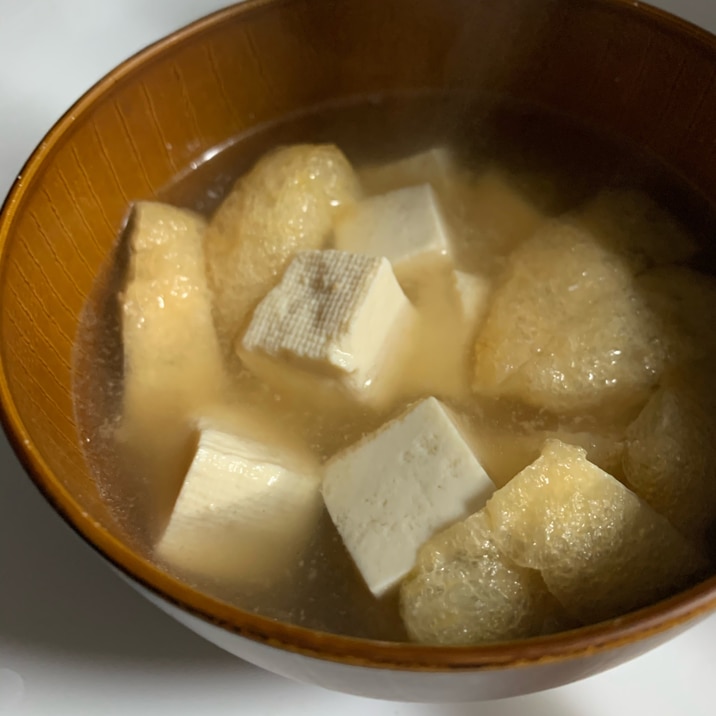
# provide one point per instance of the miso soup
(546, 284)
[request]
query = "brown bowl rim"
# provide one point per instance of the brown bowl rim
(666, 614)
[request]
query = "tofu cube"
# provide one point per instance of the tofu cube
(245, 511)
(335, 315)
(392, 491)
(286, 203)
(406, 226)
(433, 166)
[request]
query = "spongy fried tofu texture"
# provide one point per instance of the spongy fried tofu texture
(670, 450)
(567, 329)
(170, 346)
(686, 302)
(463, 591)
(173, 366)
(601, 550)
(505, 450)
(285, 204)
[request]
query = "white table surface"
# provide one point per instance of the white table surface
(76, 640)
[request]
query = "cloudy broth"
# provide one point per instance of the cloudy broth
(555, 163)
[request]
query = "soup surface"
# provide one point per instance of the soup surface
(557, 168)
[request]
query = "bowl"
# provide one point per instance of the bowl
(623, 67)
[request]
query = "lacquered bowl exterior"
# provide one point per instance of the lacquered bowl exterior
(628, 70)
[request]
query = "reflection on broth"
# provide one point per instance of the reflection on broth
(528, 286)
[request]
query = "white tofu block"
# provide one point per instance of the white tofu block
(472, 293)
(433, 166)
(334, 315)
(245, 512)
(392, 491)
(406, 226)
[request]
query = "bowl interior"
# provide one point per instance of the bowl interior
(630, 72)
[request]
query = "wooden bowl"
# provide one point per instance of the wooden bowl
(621, 66)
